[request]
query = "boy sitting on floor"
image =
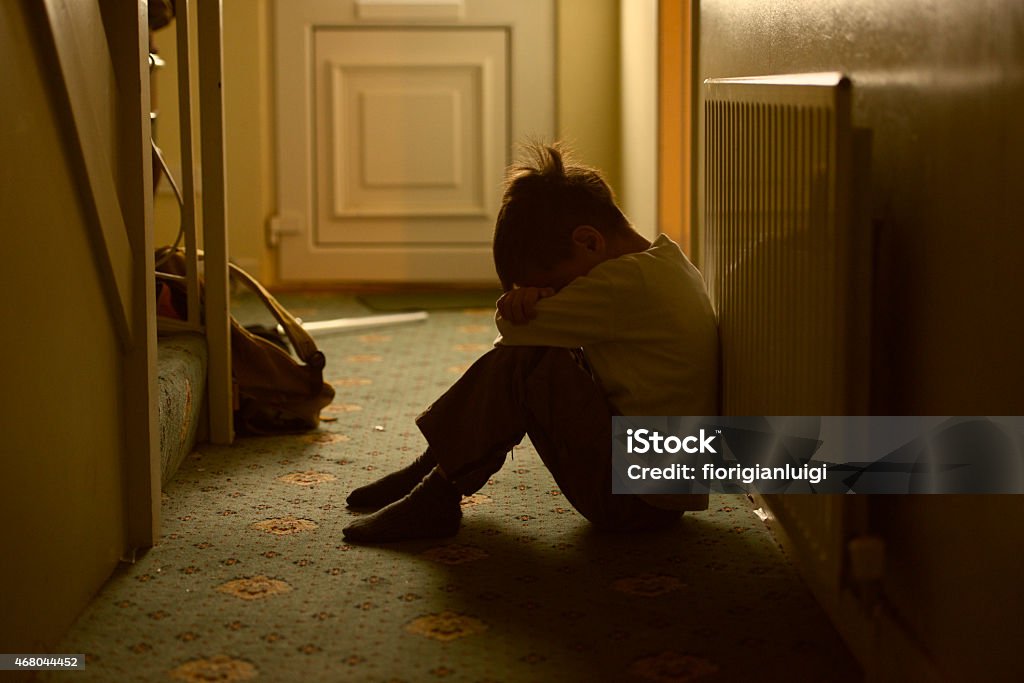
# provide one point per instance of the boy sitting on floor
(595, 321)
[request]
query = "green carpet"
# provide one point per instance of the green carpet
(431, 301)
(251, 579)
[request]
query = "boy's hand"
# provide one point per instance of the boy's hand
(517, 305)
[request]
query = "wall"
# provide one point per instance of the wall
(62, 493)
(248, 144)
(639, 93)
(941, 86)
(248, 135)
(166, 132)
(589, 110)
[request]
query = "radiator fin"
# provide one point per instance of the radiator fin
(780, 260)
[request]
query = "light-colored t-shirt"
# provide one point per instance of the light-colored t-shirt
(646, 327)
(648, 332)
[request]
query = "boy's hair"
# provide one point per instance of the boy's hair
(546, 197)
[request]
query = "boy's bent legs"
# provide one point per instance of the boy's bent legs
(474, 424)
(540, 391)
(430, 508)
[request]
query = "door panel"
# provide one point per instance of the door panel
(393, 134)
(412, 135)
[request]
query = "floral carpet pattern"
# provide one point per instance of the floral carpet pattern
(252, 580)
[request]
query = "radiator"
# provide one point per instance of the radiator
(786, 263)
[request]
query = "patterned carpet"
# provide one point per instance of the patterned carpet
(181, 375)
(252, 580)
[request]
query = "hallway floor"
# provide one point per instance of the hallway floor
(252, 580)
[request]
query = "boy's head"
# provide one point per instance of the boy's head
(550, 206)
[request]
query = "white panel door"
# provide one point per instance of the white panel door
(393, 137)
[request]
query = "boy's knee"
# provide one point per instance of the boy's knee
(530, 360)
(533, 353)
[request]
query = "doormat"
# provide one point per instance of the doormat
(431, 301)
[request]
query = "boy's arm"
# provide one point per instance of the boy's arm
(517, 305)
(580, 313)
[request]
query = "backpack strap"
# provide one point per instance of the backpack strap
(304, 345)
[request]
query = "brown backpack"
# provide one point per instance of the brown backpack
(274, 392)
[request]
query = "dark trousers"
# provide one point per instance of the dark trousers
(543, 392)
